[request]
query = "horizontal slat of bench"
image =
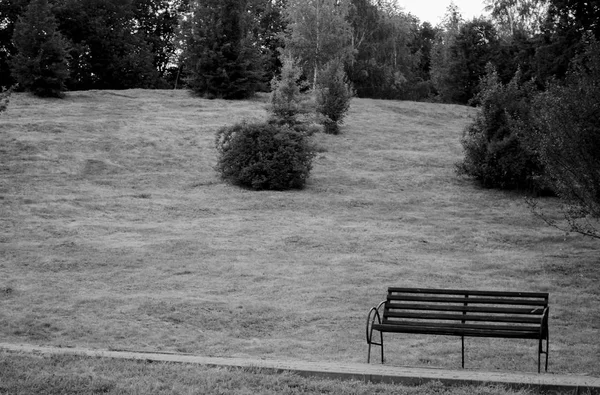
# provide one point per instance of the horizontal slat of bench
(457, 331)
(466, 292)
(462, 299)
(524, 319)
(494, 327)
(472, 309)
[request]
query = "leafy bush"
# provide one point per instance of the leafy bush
(566, 125)
(495, 146)
(264, 156)
(333, 96)
(4, 98)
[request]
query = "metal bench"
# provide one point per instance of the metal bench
(464, 313)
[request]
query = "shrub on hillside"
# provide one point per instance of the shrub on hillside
(496, 153)
(264, 156)
(333, 95)
(4, 98)
(566, 128)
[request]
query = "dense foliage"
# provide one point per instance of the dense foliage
(220, 52)
(111, 44)
(40, 65)
(264, 156)
(318, 32)
(496, 152)
(566, 123)
(231, 48)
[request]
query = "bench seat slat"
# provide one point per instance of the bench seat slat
(474, 309)
(491, 327)
(466, 317)
(438, 299)
(466, 292)
(457, 331)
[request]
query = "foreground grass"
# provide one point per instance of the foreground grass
(117, 233)
(30, 374)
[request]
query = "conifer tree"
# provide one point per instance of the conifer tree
(40, 65)
(221, 57)
(286, 100)
(334, 94)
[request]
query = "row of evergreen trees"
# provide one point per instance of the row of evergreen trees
(230, 48)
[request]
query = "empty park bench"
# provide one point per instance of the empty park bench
(464, 313)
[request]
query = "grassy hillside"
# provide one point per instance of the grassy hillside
(117, 233)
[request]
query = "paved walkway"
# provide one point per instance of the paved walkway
(550, 383)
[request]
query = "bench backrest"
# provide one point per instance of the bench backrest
(489, 310)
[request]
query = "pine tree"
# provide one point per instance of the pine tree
(333, 96)
(220, 56)
(40, 65)
(286, 100)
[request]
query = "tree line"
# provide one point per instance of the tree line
(232, 48)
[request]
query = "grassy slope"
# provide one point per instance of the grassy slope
(31, 374)
(117, 233)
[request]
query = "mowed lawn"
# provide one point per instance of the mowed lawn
(117, 233)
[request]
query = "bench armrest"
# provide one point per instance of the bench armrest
(373, 314)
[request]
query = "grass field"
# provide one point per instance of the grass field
(66, 375)
(117, 233)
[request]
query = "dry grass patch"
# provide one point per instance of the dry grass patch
(117, 233)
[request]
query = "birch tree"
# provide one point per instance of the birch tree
(318, 32)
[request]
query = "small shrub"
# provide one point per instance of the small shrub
(287, 101)
(333, 95)
(495, 146)
(4, 99)
(264, 156)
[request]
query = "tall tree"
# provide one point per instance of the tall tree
(384, 63)
(511, 16)
(157, 21)
(271, 23)
(108, 45)
(40, 65)
(567, 22)
(475, 46)
(318, 32)
(10, 10)
(422, 45)
(441, 52)
(221, 55)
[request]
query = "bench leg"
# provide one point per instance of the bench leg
(377, 344)
(381, 340)
(462, 338)
(539, 355)
(547, 350)
(541, 351)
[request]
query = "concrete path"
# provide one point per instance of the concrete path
(548, 383)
